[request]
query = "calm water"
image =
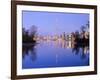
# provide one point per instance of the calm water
(46, 54)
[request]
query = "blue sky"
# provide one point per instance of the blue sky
(49, 23)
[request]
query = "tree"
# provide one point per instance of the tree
(83, 28)
(23, 30)
(32, 30)
(88, 24)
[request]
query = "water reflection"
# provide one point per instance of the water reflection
(31, 49)
(84, 50)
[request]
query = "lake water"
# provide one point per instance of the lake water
(47, 54)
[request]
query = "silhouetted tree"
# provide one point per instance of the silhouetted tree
(83, 28)
(32, 30)
(28, 35)
(88, 24)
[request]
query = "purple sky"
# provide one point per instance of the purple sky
(54, 23)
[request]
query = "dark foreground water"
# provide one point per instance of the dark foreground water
(54, 54)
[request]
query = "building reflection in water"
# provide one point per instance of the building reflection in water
(30, 49)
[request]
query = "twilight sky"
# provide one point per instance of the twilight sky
(54, 23)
